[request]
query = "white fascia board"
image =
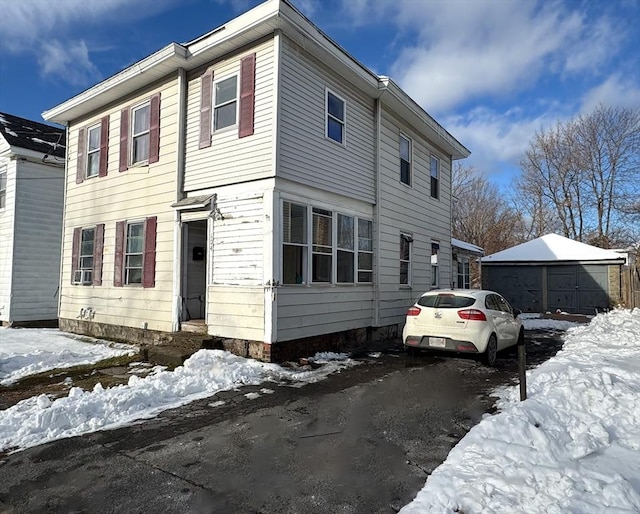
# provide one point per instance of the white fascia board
(154, 66)
(405, 106)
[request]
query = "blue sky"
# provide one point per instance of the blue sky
(491, 71)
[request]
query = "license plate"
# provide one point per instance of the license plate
(438, 342)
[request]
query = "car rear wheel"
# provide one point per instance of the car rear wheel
(491, 353)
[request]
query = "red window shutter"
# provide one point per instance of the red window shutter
(149, 259)
(247, 95)
(98, 247)
(104, 146)
(75, 251)
(82, 159)
(124, 139)
(206, 85)
(154, 129)
(118, 264)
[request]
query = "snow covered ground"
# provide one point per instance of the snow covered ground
(572, 446)
(25, 352)
(39, 419)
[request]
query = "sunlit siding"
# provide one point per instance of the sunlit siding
(231, 159)
(410, 209)
(6, 235)
(306, 155)
(132, 195)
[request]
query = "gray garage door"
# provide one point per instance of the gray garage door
(581, 288)
(520, 285)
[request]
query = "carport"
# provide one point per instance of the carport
(555, 273)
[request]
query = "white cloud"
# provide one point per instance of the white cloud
(69, 61)
(614, 91)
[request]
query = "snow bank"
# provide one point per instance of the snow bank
(38, 420)
(573, 446)
(25, 352)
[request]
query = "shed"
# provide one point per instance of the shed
(555, 273)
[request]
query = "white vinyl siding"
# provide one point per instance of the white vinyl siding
(231, 159)
(141, 192)
(306, 154)
(413, 211)
(37, 226)
(6, 235)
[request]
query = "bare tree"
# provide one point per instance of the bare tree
(586, 172)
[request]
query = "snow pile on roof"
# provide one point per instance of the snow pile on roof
(553, 247)
(38, 420)
(25, 352)
(573, 446)
(466, 246)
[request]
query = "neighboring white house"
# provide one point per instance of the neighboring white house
(257, 180)
(31, 200)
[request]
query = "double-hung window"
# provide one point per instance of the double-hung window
(3, 187)
(225, 103)
(85, 263)
(141, 123)
(435, 178)
(346, 248)
(86, 255)
(336, 119)
(365, 250)
(93, 151)
(463, 273)
(134, 251)
(322, 246)
(435, 275)
(405, 259)
(294, 228)
(405, 160)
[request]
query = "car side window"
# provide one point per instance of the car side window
(490, 303)
(504, 305)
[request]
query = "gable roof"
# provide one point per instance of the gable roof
(264, 19)
(553, 248)
(32, 135)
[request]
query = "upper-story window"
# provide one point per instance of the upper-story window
(93, 151)
(405, 160)
(3, 187)
(141, 123)
(336, 119)
(225, 103)
(435, 177)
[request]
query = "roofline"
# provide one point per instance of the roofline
(193, 54)
(531, 262)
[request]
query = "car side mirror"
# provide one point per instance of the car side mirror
(516, 313)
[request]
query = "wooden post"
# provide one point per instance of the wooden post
(522, 368)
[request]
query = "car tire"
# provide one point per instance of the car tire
(489, 356)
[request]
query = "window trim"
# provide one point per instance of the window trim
(215, 106)
(343, 122)
(406, 236)
(435, 189)
(409, 162)
(133, 135)
(96, 151)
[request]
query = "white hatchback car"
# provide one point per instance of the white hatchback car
(462, 320)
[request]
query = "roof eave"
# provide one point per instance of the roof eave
(553, 263)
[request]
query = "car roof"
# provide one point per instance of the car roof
(475, 293)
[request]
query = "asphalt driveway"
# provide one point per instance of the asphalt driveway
(361, 441)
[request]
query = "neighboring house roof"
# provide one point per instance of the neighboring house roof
(262, 20)
(32, 135)
(553, 248)
(463, 245)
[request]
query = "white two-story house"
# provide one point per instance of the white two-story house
(31, 190)
(257, 180)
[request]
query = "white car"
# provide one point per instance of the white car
(462, 320)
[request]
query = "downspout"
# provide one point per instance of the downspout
(376, 211)
(176, 310)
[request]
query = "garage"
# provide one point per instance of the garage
(554, 273)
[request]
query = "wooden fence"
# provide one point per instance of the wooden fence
(631, 285)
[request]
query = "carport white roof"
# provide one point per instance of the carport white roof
(553, 248)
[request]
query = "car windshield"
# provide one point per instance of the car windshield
(445, 301)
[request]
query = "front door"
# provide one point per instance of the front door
(194, 276)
